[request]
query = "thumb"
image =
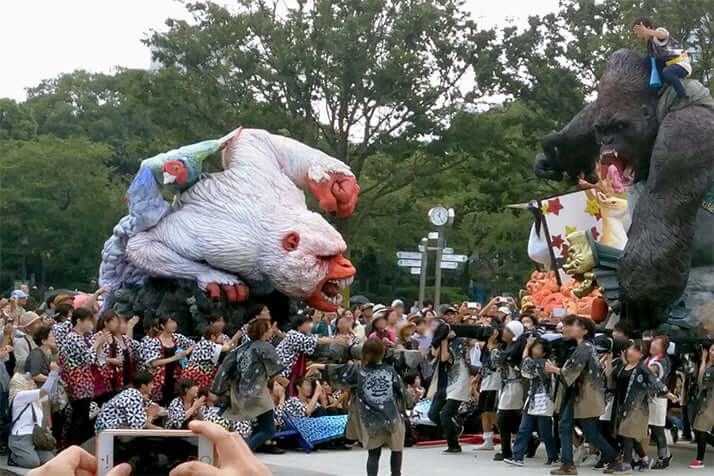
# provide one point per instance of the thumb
(123, 469)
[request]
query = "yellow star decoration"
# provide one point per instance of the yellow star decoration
(570, 229)
(592, 207)
(544, 208)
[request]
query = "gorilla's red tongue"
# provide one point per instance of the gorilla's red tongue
(331, 289)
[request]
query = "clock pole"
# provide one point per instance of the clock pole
(437, 274)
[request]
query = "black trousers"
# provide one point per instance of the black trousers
(702, 438)
(81, 427)
(447, 417)
(395, 461)
(508, 423)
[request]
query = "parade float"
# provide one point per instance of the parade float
(233, 236)
(641, 233)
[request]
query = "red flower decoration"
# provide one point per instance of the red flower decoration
(564, 250)
(556, 241)
(596, 235)
(554, 206)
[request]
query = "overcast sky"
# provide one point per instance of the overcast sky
(41, 39)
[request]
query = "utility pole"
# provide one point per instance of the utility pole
(424, 248)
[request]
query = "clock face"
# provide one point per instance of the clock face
(439, 216)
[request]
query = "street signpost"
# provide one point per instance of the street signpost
(455, 258)
(417, 261)
(409, 263)
(408, 255)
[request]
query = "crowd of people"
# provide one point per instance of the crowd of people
(492, 369)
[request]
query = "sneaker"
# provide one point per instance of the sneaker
(661, 463)
(646, 464)
(485, 446)
(513, 461)
(551, 462)
(600, 464)
(565, 470)
(610, 467)
(698, 464)
(452, 451)
(623, 469)
(498, 457)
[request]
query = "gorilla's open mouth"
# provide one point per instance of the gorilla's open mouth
(327, 295)
(618, 168)
(332, 288)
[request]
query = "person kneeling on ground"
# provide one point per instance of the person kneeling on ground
(27, 413)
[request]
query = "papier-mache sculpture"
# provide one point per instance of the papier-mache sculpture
(662, 150)
(245, 229)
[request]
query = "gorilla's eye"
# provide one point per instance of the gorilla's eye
(599, 128)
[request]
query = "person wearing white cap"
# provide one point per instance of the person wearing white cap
(22, 343)
(511, 399)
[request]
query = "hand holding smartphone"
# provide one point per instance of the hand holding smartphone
(150, 452)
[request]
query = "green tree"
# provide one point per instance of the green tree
(16, 121)
(58, 204)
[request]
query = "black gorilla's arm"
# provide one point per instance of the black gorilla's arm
(572, 150)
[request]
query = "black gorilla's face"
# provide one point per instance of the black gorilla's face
(626, 139)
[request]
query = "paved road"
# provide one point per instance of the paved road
(430, 461)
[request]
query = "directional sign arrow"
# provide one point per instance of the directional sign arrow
(449, 265)
(455, 258)
(408, 255)
(409, 263)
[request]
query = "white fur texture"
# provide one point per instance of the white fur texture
(230, 225)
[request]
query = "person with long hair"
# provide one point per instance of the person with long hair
(123, 353)
(490, 385)
(538, 410)
(298, 343)
(704, 417)
(78, 355)
(584, 398)
(379, 398)
(635, 385)
(162, 353)
(660, 365)
(186, 406)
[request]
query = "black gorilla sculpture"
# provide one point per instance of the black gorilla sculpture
(670, 165)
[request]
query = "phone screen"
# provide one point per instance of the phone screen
(154, 455)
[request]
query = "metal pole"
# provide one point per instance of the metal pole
(422, 275)
(437, 274)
